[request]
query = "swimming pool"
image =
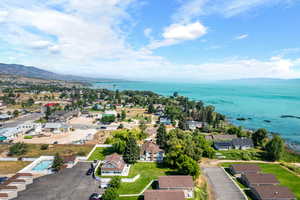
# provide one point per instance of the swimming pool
(43, 165)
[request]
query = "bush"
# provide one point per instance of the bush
(57, 162)
(18, 149)
(44, 146)
(28, 137)
(115, 182)
(81, 153)
(110, 194)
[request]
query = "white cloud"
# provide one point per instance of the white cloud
(191, 9)
(184, 32)
(3, 15)
(240, 37)
(85, 38)
(40, 44)
(177, 33)
(147, 32)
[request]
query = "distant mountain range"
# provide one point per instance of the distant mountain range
(34, 72)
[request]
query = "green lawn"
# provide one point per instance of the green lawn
(250, 154)
(131, 198)
(285, 177)
(148, 172)
(100, 153)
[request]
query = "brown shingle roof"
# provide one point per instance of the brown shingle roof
(150, 147)
(21, 174)
(274, 192)
(245, 168)
(115, 160)
(254, 178)
(8, 187)
(175, 182)
(13, 180)
(164, 195)
(3, 195)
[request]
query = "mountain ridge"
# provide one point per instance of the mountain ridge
(35, 72)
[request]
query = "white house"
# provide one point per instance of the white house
(151, 152)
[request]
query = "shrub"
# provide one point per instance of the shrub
(28, 137)
(18, 149)
(44, 146)
(115, 182)
(57, 162)
(81, 153)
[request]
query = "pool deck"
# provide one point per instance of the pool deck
(29, 168)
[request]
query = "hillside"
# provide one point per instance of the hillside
(34, 72)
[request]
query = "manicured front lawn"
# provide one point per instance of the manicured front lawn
(11, 167)
(285, 177)
(250, 154)
(100, 153)
(148, 172)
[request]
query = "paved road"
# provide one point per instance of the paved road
(22, 119)
(222, 185)
(69, 184)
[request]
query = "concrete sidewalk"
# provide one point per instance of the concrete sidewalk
(223, 187)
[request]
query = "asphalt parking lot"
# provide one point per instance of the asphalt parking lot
(222, 185)
(69, 184)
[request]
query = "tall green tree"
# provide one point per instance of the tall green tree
(151, 108)
(132, 151)
(110, 194)
(123, 115)
(188, 166)
(259, 136)
(57, 162)
(115, 182)
(161, 137)
(275, 148)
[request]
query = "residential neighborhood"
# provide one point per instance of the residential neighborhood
(100, 144)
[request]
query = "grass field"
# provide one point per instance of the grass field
(148, 172)
(250, 154)
(34, 150)
(285, 177)
(100, 153)
(11, 167)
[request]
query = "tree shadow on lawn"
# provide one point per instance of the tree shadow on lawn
(170, 171)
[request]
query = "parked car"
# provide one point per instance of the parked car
(89, 172)
(95, 196)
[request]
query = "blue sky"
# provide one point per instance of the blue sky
(184, 40)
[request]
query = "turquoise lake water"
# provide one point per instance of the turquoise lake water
(256, 99)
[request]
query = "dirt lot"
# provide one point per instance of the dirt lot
(61, 138)
(11, 167)
(34, 150)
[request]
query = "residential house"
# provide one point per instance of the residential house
(13, 129)
(4, 117)
(239, 169)
(114, 165)
(237, 143)
(223, 145)
(257, 179)
(272, 192)
(63, 116)
(151, 152)
(164, 195)
(242, 143)
(193, 125)
(183, 183)
(110, 112)
(56, 127)
(165, 121)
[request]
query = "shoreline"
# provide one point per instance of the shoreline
(292, 144)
